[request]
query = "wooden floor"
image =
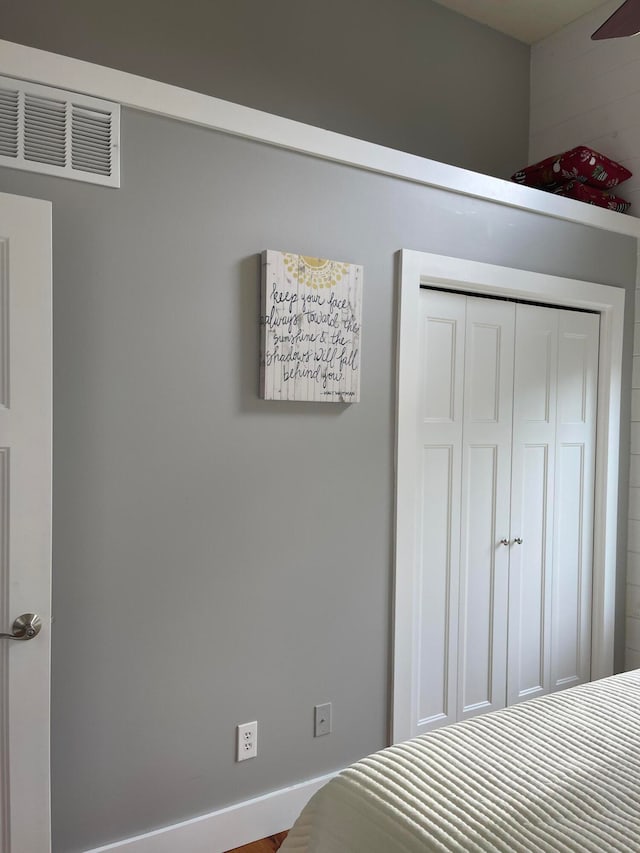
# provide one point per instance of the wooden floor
(267, 845)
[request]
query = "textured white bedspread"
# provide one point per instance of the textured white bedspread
(559, 773)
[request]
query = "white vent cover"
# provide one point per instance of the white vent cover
(59, 133)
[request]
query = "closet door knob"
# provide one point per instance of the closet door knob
(504, 541)
(518, 541)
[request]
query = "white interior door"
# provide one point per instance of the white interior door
(25, 521)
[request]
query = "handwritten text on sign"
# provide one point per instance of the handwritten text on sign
(311, 318)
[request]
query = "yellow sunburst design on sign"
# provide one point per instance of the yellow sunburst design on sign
(316, 273)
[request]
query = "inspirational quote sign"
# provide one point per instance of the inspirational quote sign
(311, 321)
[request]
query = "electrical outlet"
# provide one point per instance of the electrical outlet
(322, 720)
(247, 742)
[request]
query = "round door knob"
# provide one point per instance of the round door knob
(518, 541)
(504, 541)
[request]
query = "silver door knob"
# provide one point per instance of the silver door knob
(504, 541)
(25, 627)
(518, 541)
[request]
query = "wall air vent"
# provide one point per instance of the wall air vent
(59, 133)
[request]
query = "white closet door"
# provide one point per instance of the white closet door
(442, 323)
(486, 464)
(532, 490)
(574, 498)
(505, 518)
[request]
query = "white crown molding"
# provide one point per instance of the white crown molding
(39, 66)
(228, 828)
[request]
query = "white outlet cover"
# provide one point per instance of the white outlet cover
(247, 741)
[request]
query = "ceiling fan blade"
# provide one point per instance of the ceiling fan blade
(624, 22)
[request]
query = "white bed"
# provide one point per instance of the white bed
(559, 773)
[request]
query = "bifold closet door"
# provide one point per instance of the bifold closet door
(466, 369)
(485, 499)
(574, 499)
(441, 371)
(553, 479)
(532, 516)
(507, 415)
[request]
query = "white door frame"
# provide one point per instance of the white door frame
(416, 269)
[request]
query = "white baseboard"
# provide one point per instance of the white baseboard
(227, 828)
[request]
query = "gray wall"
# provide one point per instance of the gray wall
(409, 74)
(218, 558)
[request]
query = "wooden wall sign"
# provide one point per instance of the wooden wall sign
(311, 319)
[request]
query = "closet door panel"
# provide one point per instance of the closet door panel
(536, 364)
(437, 539)
(574, 498)
(442, 360)
(567, 610)
(529, 567)
(442, 324)
(486, 467)
(481, 560)
(530, 571)
(483, 364)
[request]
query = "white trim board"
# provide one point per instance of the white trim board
(130, 90)
(418, 268)
(226, 828)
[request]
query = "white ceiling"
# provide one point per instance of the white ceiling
(526, 20)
